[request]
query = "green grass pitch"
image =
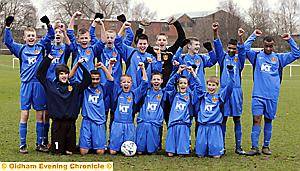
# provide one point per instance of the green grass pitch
(285, 143)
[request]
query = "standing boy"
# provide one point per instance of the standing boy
(267, 68)
(235, 56)
(31, 93)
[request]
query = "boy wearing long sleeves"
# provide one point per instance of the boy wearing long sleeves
(267, 74)
(235, 56)
(209, 139)
(31, 92)
(63, 104)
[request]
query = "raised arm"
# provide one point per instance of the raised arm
(198, 88)
(86, 81)
(105, 70)
(287, 58)
(210, 59)
(46, 40)
(75, 67)
(43, 68)
(251, 54)
(129, 36)
(218, 44)
(8, 38)
(180, 34)
(241, 47)
(142, 88)
(225, 93)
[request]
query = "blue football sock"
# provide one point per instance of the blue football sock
(255, 135)
(238, 133)
(46, 130)
(39, 132)
(23, 133)
(267, 133)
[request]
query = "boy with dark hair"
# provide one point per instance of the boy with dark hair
(235, 56)
(267, 75)
(162, 42)
(83, 49)
(93, 132)
(133, 56)
(209, 138)
(63, 100)
(125, 101)
(31, 93)
(180, 97)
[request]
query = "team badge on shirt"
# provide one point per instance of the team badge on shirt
(197, 61)
(186, 97)
(214, 99)
(129, 99)
(273, 59)
(158, 97)
(236, 59)
(36, 51)
(70, 88)
(114, 54)
(97, 91)
(61, 51)
(88, 51)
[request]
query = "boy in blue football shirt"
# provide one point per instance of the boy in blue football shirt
(83, 49)
(133, 56)
(209, 138)
(31, 92)
(93, 132)
(235, 56)
(180, 97)
(267, 68)
(125, 101)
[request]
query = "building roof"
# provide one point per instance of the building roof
(195, 14)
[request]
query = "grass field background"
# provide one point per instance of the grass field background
(285, 143)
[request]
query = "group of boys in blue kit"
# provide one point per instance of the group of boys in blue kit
(99, 85)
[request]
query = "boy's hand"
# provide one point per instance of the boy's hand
(184, 42)
(45, 20)
(112, 61)
(98, 21)
(126, 24)
(141, 65)
(156, 49)
(77, 14)
(230, 67)
(50, 56)
(121, 18)
(241, 32)
(257, 32)
(81, 60)
(215, 26)
(98, 15)
(9, 20)
(99, 65)
(286, 36)
(181, 68)
(171, 20)
(175, 63)
(208, 46)
(149, 60)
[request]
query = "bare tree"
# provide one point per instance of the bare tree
(259, 15)
(140, 11)
(229, 6)
(289, 15)
(23, 11)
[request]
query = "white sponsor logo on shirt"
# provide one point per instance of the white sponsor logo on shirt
(151, 106)
(180, 106)
(31, 60)
(265, 67)
(93, 99)
(209, 107)
(123, 108)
